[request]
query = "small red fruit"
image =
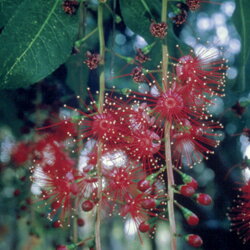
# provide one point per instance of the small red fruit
(143, 185)
(80, 222)
(194, 240)
(203, 199)
(87, 205)
(144, 227)
(187, 190)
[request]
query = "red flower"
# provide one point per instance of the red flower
(56, 176)
(192, 142)
(59, 131)
(122, 179)
(107, 126)
(240, 214)
(133, 207)
(171, 106)
(202, 74)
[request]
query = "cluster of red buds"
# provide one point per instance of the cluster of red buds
(93, 60)
(193, 4)
(158, 30)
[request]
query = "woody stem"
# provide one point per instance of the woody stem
(169, 166)
(100, 109)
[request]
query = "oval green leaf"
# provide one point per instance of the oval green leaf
(35, 41)
(242, 23)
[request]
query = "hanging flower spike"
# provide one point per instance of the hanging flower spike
(240, 214)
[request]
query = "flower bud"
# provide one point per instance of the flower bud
(143, 185)
(144, 227)
(87, 205)
(186, 190)
(194, 240)
(203, 199)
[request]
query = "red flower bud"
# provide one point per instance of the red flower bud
(143, 185)
(194, 240)
(192, 219)
(193, 183)
(144, 227)
(87, 206)
(148, 203)
(158, 29)
(187, 190)
(203, 199)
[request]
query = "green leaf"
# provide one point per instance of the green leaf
(37, 39)
(242, 24)
(7, 9)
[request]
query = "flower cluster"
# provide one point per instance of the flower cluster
(123, 147)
